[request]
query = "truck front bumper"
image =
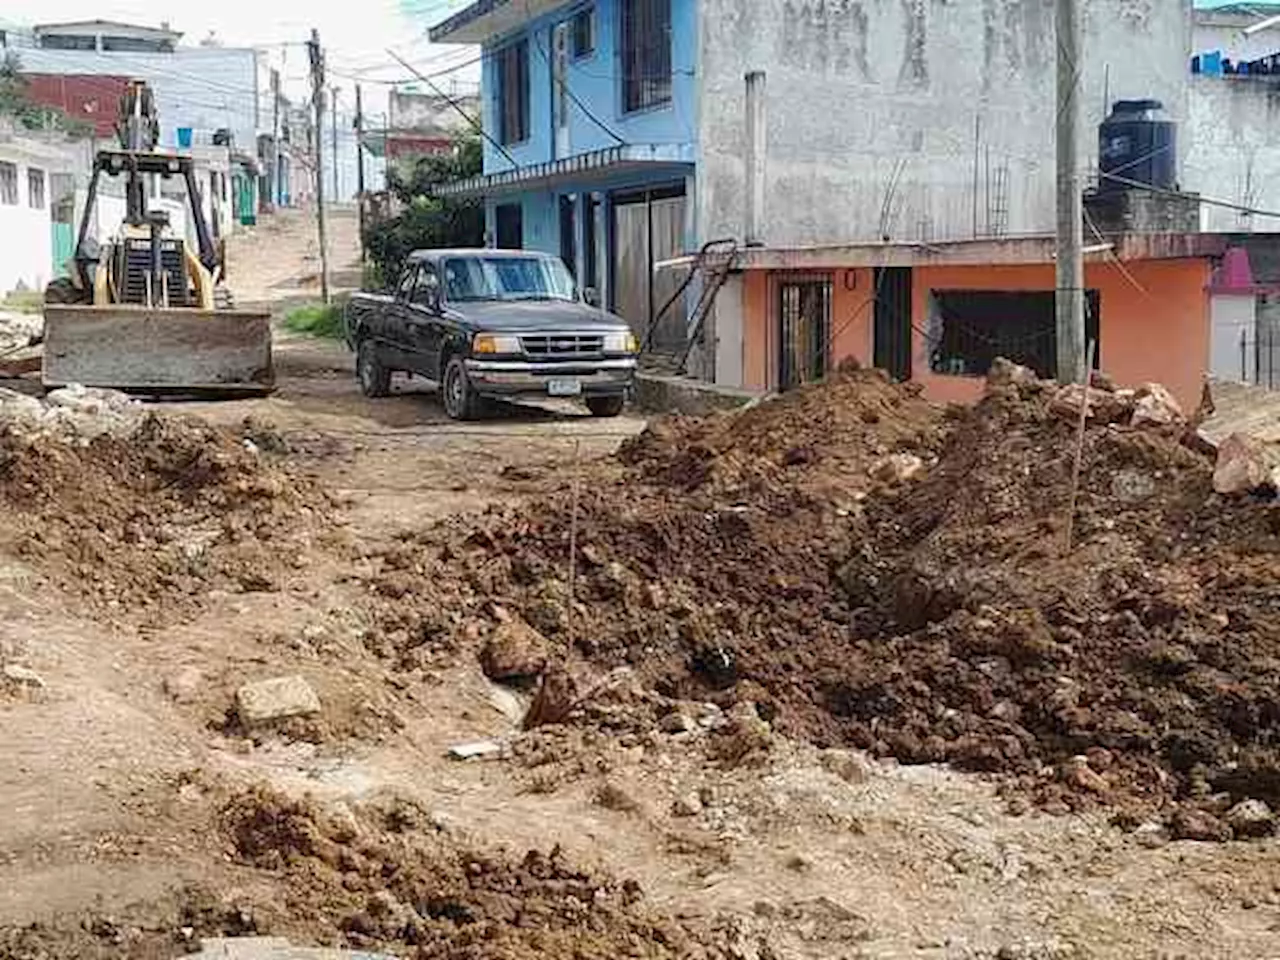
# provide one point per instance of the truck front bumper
(593, 378)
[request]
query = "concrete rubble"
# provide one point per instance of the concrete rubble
(1246, 464)
(276, 699)
(73, 412)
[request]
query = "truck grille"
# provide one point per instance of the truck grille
(562, 346)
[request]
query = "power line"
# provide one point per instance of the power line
(1192, 197)
(479, 128)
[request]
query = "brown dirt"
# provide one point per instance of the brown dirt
(157, 517)
(932, 620)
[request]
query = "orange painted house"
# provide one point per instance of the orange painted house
(938, 313)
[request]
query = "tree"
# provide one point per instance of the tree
(16, 102)
(428, 220)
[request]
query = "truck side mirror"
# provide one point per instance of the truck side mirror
(591, 296)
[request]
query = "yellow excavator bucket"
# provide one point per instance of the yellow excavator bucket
(148, 350)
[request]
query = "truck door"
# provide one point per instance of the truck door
(423, 323)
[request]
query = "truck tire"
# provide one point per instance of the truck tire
(460, 401)
(374, 376)
(606, 406)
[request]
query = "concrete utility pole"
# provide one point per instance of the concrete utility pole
(274, 179)
(333, 133)
(757, 139)
(1070, 285)
(317, 102)
(360, 166)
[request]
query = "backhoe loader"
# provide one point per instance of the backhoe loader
(142, 311)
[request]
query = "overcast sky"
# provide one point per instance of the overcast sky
(355, 33)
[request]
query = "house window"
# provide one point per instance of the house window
(35, 188)
(804, 330)
(513, 92)
(646, 53)
(8, 184)
(584, 33)
(510, 223)
(970, 328)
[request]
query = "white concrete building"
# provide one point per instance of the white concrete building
(30, 170)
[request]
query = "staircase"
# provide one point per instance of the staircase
(713, 264)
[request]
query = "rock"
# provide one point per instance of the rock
(1005, 373)
(276, 699)
(1102, 381)
(1151, 835)
(677, 722)
(1103, 406)
(848, 766)
(23, 677)
(19, 408)
(185, 685)
(506, 703)
(1251, 818)
(896, 468)
(1199, 825)
(515, 651)
(687, 805)
(1132, 486)
(476, 750)
(1244, 464)
(1155, 406)
(556, 697)
(1077, 774)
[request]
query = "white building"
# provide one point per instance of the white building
(33, 172)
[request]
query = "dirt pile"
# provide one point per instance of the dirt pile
(388, 876)
(827, 439)
(933, 618)
(165, 508)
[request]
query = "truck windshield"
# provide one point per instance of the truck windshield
(507, 278)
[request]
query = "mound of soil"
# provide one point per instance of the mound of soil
(932, 620)
(388, 877)
(825, 437)
(165, 512)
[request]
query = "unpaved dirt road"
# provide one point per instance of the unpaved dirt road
(114, 770)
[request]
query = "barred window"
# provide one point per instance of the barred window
(513, 93)
(646, 54)
(8, 184)
(35, 188)
(584, 33)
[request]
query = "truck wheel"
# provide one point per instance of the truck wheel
(460, 401)
(606, 406)
(375, 379)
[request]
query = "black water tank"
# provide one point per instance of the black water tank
(1134, 146)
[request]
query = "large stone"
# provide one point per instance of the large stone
(1244, 464)
(1155, 406)
(1103, 405)
(515, 651)
(1251, 818)
(1199, 825)
(276, 699)
(896, 468)
(1005, 373)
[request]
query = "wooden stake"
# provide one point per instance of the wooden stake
(1084, 415)
(573, 539)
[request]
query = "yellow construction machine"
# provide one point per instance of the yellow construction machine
(146, 309)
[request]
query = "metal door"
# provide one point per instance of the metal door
(892, 346)
(667, 243)
(804, 330)
(648, 228)
(560, 87)
(631, 265)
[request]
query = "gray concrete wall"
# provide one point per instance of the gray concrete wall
(1231, 143)
(900, 117)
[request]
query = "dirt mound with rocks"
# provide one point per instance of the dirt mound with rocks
(130, 508)
(388, 876)
(931, 616)
(833, 438)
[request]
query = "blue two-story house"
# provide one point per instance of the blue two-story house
(590, 121)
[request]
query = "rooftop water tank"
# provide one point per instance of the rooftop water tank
(1136, 147)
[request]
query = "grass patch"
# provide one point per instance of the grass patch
(24, 301)
(317, 320)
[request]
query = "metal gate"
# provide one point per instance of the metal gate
(804, 330)
(892, 338)
(648, 227)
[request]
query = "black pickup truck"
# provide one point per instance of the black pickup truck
(487, 324)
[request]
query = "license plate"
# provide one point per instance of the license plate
(564, 388)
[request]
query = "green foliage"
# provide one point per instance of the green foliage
(427, 221)
(16, 102)
(317, 320)
(24, 301)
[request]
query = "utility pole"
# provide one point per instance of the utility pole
(360, 166)
(274, 179)
(1069, 300)
(317, 101)
(333, 132)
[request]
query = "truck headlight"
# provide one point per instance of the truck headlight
(621, 342)
(493, 343)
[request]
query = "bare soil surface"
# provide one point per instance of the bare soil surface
(787, 666)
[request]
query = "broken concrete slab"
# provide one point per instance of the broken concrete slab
(1155, 406)
(1244, 464)
(276, 699)
(476, 750)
